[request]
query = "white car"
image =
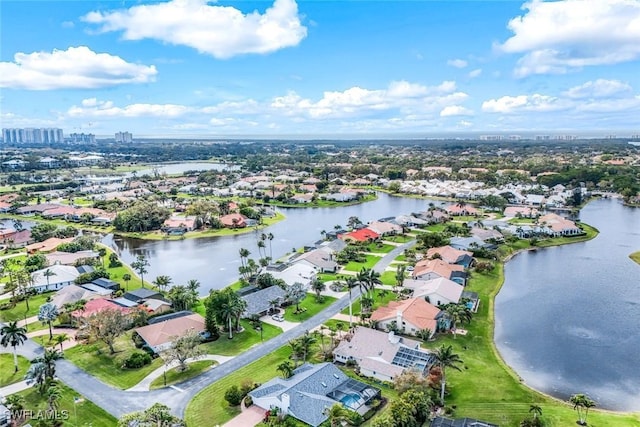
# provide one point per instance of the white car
(278, 317)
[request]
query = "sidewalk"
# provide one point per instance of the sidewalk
(71, 342)
(13, 388)
(146, 381)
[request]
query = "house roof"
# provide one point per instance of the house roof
(446, 288)
(61, 274)
(72, 293)
(164, 332)
(295, 273)
(97, 289)
(178, 222)
(416, 311)
(460, 422)
(48, 245)
(384, 227)
(436, 266)
(383, 352)
(227, 220)
(361, 235)
(69, 258)
(155, 304)
(142, 293)
(258, 302)
(97, 305)
(106, 283)
(319, 258)
(448, 254)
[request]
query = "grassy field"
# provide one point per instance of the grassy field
(116, 273)
(175, 377)
(82, 413)
(19, 312)
(241, 341)
(7, 374)
(209, 407)
(312, 308)
(401, 238)
(379, 299)
(503, 399)
(380, 248)
(635, 256)
(388, 278)
(95, 359)
(370, 261)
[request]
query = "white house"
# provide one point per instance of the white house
(440, 291)
(58, 277)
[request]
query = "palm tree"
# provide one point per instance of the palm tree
(49, 361)
(286, 369)
(192, 286)
(318, 286)
(126, 277)
(162, 282)
(536, 410)
(47, 313)
(582, 404)
(13, 335)
(446, 358)
(306, 341)
(270, 239)
(400, 272)
(458, 313)
(53, 396)
(339, 328)
(59, 339)
(337, 414)
(140, 266)
(47, 274)
(351, 283)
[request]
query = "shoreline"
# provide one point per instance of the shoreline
(508, 368)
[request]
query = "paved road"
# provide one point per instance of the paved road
(119, 402)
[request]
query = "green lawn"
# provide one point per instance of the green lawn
(241, 341)
(19, 312)
(378, 301)
(521, 221)
(400, 238)
(435, 228)
(370, 261)
(83, 413)
(329, 277)
(175, 377)
(389, 278)
(209, 407)
(379, 248)
(312, 308)
(116, 273)
(503, 399)
(95, 359)
(635, 256)
(7, 374)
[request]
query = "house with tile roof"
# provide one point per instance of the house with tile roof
(321, 260)
(361, 235)
(383, 355)
(439, 291)
(408, 316)
(451, 255)
(555, 225)
(428, 269)
(385, 228)
(159, 336)
(97, 305)
(311, 390)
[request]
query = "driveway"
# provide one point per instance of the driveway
(250, 417)
(285, 325)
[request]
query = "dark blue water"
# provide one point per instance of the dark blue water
(567, 317)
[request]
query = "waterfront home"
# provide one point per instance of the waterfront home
(319, 259)
(69, 258)
(385, 228)
(461, 210)
(487, 234)
(158, 336)
(433, 268)
(234, 220)
(361, 235)
(466, 243)
(260, 301)
(521, 212)
(439, 291)
(20, 239)
(48, 245)
(58, 277)
(382, 355)
(451, 255)
(138, 295)
(179, 225)
(71, 294)
(292, 273)
(408, 317)
(556, 225)
(311, 391)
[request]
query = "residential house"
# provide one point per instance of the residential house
(558, 226)
(361, 235)
(259, 302)
(292, 273)
(311, 390)
(48, 245)
(20, 239)
(97, 305)
(234, 220)
(340, 197)
(156, 305)
(409, 316)
(36, 209)
(331, 247)
(158, 336)
(521, 211)
(434, 268)
(69, 258)
(106, 284)
(71, 294)
(138, 295)
(58, 277)
(466, 243)
(461, 210)
(460, 422)
(385, 228)
(382, 355)
(179, 225)
(451, 255)
(319, 259)
(438, 291)
(487, 234)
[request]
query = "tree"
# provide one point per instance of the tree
(400, 272)
(141, 217)
(13, 335)
(296, 294)
(353, 221)
(410, 380)
(43, 231)
(270, 239)
(162, 282)
(421, 403)
(47, 274)
(337, 414)
(192, 286)
(140, 266)
(458, 313)
(59, 339)
(47, 313)
(226, 307)
(181, 298)
(43, 369)
(536, 410)
(306, 341)
(107, 325)
(286, 369)
(581, 404)
(446, 358)
(233, 395)
(318, 287)
(184, 347)
(158, 415)
(53, 396)
(432, 240)
(126, 277)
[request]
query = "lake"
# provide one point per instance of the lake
(214, 261)
(567, 317)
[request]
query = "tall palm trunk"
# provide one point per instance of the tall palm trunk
(443, 383)
(230, 329)
(15, 359)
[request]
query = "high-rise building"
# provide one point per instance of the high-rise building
(82, 138)
(33, 135)
(124, 137)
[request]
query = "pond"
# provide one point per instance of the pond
(567, 317)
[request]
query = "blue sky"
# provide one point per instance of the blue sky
(313, 68)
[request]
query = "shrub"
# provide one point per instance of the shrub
(233, 395)
(137, 360)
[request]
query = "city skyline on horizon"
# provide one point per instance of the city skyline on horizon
(281, 68)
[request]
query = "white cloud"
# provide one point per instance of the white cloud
(92, 107)
(560, 36)
(475, 73)
(458, 63)
(220, 31)
(455, 110)
(600, 88)
(529, 103)
(74, 68)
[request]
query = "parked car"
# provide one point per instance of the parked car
(278, 317)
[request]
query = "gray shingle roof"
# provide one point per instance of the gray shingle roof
(258, 302)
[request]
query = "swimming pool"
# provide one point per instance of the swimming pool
(350, 400)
